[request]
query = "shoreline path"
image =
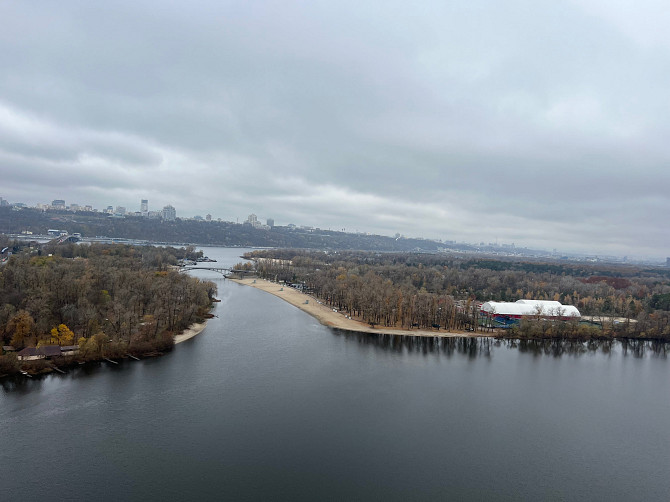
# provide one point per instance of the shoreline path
(328, 317)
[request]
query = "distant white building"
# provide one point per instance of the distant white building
(510, 312)
(169, 213)
(252, 220)
(144, 207)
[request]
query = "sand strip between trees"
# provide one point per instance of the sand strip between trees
(329, 317)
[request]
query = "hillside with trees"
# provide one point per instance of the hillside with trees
(213, 233)
(110, 300)
(412, 290)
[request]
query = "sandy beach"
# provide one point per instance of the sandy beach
(189, 333)
(329, 317)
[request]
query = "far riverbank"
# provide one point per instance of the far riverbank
(329, 317)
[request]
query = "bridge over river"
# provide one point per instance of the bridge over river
(226, 272)
(223, 271)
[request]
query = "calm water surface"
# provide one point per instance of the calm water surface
(267, 404)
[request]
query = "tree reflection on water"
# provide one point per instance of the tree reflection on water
(559, 347)
(469, 346)
(473, 347)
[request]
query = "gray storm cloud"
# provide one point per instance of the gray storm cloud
(544, 125)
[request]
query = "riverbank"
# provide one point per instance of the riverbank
(330, 317)
(42, 366)
(190, 332)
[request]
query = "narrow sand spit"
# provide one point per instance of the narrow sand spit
(329, 317)
(192, 330)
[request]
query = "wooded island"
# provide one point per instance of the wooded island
(445, 292)
(108, 300)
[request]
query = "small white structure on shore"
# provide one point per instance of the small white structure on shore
(530, 308)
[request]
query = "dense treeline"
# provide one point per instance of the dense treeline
(108, 299)
(433, 290)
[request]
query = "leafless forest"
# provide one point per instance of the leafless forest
(108, 299)
(432, 291)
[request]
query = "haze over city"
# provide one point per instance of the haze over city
(539, 124)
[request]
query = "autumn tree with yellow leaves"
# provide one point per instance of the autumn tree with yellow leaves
(62, 335)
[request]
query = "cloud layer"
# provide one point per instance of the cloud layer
(539, 124)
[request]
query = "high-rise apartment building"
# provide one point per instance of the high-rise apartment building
(144, 207)
(169, 213)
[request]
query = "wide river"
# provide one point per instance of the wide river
(267, 404)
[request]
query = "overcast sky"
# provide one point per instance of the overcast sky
(545, 124)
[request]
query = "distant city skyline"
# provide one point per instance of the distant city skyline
(169, 213)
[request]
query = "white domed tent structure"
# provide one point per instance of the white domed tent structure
(505, 314)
